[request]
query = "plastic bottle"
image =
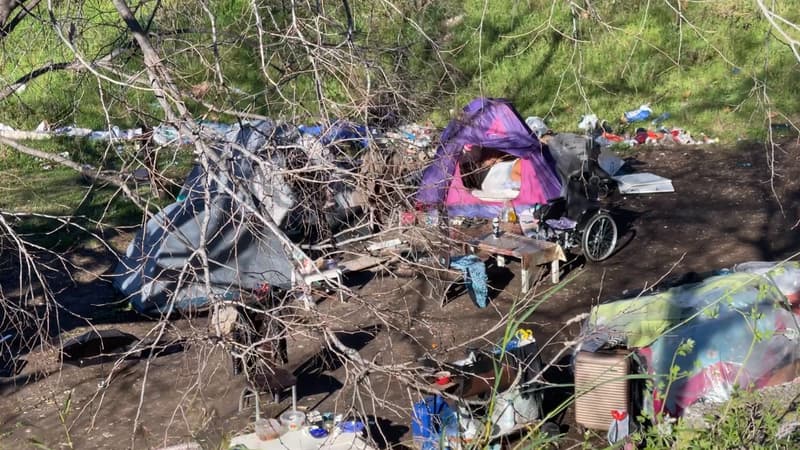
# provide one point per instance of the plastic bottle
(511, 215)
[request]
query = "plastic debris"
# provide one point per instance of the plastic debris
(537, 125)
(637, 115)
(588, 122)
(660, 119)
(619, 428)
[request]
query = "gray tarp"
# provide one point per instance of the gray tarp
(161, 272)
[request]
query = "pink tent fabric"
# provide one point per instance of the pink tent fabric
(495, 124)
(531, 191)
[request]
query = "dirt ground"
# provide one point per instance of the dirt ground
(725, 210)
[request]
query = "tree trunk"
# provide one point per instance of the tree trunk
(5, 10)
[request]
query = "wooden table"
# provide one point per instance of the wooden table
(530, 252)
(301, 440)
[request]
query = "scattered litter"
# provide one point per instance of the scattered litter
(72, 131)
(384, 245)
(185, 446)
(610, 162)
(588, 122)
(537, 125)
(643, 183)
(619, 428)
(660, 119)
(43, 127)
(637, 115)
(115, 133)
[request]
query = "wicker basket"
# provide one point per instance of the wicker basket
(601, 385)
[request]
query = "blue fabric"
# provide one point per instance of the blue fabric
(484, 211)
(475, 272)
(338, 131)
(431, 420)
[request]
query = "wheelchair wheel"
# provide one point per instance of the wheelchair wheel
(599, 237)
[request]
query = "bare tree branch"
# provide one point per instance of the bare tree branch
(6, 7)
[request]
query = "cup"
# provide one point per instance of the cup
(293, 420)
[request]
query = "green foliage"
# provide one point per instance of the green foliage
(714, 66)
(748, 420)
(37, 188)
(705, 66)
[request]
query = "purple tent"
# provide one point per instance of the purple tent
(494, 124)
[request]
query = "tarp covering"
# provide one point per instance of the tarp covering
(162, 272)
(494, 124)
(700, 341)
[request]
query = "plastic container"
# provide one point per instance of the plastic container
(352, 426)
(318, 433)
(293, 420)
(537, 125)
(496, 227)
(510, 214)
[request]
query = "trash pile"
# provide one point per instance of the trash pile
(45, 131)
(459, 416)
(604, 135)
(297, 430)
(415, 139)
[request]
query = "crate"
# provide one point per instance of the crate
(601, 385)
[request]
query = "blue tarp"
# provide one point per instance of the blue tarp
(339, 131)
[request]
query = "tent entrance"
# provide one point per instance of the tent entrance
(490, 174)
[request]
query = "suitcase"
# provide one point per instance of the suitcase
(601, 385)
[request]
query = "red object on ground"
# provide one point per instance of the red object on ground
(613, 137)
(442, 380)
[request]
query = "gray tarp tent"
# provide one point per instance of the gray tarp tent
(162, 273)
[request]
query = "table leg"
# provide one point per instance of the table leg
(554, 272)
(501, 261)
(526, 274)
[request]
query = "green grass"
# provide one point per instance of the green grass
(32, 187)
(706, 77)
(717, 69)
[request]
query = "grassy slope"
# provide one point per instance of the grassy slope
(704, 70)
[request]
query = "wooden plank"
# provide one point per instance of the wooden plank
(361, 263)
